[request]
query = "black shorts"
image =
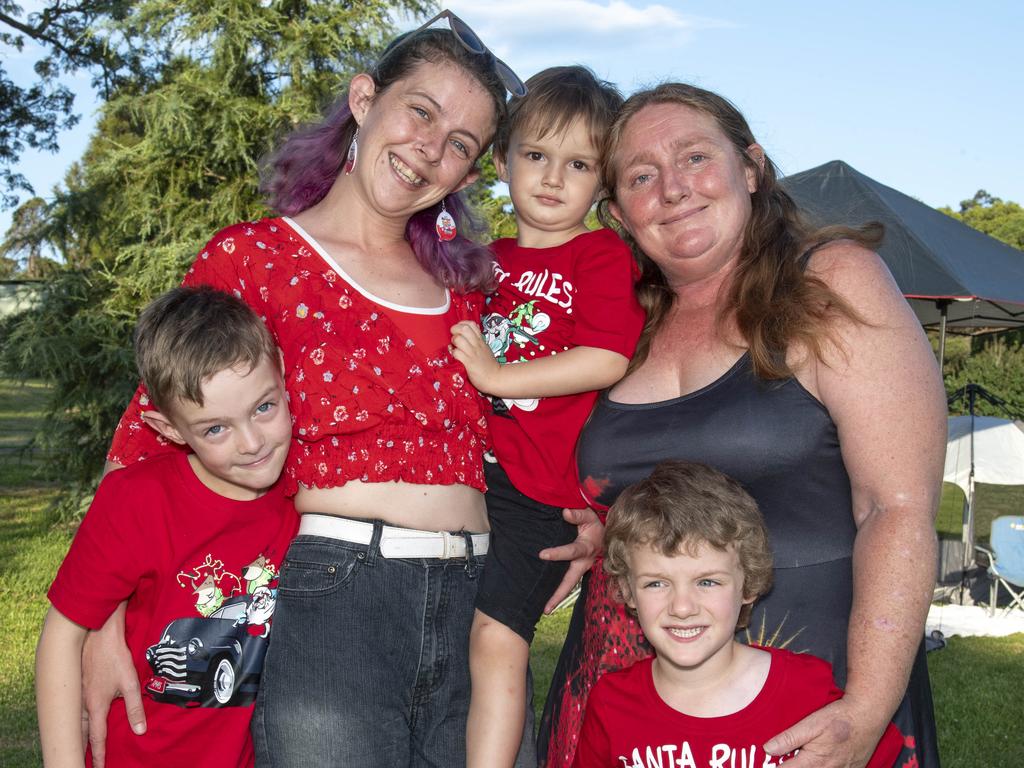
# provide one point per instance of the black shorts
(516, 583)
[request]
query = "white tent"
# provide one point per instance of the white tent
(982, 449)
(998, 451)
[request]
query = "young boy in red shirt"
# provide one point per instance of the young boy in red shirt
(562, 325)
(689, 551)
(193, 541)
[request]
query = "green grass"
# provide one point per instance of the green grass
(547, 644)
(21, 407)
(976, 687)
(976, 681)
(31, 548)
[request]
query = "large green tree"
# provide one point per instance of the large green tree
(174, 158)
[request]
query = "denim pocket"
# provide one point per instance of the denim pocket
(313, 568)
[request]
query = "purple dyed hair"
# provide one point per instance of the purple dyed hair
(303, 169)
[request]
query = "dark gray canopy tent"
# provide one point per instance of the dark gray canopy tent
(954, 277)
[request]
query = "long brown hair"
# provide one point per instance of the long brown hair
(774, 302)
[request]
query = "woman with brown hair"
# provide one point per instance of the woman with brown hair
(788, 359)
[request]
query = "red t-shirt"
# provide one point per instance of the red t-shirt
(367, 401)
(549, 300)
(627, 723)
(199, 572)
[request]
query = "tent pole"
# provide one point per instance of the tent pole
(943, 306)
(968, 523)
(968, 540)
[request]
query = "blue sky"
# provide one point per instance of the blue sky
(926, 97)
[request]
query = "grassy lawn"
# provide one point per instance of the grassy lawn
(974, 680)
(31, 548)
(547, 644)
(21, 407)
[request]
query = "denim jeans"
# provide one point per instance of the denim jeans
(368, 664)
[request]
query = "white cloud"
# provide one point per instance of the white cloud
(571, 17)
(533, 34)
(505, 26)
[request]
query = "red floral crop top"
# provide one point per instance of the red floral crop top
(367, 402)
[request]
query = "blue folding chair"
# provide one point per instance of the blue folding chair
(1006, 561)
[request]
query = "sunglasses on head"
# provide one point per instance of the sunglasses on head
(472, 43)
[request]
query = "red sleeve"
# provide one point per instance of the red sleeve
(606, 311)
(222, 263)
(594, 748)
(106, 559)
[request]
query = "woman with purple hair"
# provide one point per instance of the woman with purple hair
(360, 279)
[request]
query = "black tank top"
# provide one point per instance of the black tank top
(773, 437)
(781, 444)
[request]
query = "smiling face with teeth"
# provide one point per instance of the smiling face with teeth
(419, 138)
(688, 605)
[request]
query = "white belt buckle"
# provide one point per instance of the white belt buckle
(448, 543)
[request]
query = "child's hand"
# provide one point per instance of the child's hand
(470, 349)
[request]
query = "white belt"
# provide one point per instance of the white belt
(394, 542)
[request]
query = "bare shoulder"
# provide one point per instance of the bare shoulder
(860, 277)
(852, 271)
(883, 322)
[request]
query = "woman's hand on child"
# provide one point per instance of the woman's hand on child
(582, 552)
(839, 735)
(107, 673)
(470, 349)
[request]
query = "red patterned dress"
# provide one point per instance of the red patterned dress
(367, 401)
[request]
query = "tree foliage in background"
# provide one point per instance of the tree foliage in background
(173, 159)
(495, 209)
(1002, 220)
(72, 36)
(998, 366)
(995, 362)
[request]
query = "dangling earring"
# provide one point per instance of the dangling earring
(353, 151)
(445, 225)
